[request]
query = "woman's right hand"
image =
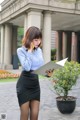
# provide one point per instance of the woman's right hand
(31, 47)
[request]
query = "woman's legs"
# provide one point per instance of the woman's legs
(24, 111)
(34, 109)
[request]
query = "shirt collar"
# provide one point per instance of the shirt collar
(25, 48)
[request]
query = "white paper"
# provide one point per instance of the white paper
(50, 66)
(62, 62)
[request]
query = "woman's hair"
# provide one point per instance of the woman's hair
(32, 33)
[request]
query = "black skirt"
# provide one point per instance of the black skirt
(28, 87)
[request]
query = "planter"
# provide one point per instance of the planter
(66, 106)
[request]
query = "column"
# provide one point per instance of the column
(78, 46)
(69, 38)
(74, 47)
(7, 50)
(2, 43)
(65, 44)
(14, 40)
(0, 46)
(14, 48)
(34, 18)
(47, 36)
(58, 45)
(25, 22)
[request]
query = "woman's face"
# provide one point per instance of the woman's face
(36, 42)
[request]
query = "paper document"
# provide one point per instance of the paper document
(50, 66)
(62, 62)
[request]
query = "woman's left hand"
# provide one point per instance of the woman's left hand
(49, 72)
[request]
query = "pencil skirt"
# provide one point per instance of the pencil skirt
(27, 87)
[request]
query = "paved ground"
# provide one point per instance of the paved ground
(48, 109)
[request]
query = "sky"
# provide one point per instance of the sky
(0, 3)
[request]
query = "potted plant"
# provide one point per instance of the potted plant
(64, 79)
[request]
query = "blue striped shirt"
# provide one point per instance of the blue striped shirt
(30, 60)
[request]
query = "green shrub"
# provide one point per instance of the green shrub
(53, 54)
(65, 78)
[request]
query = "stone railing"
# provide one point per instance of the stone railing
(66, 4)
(6, 3)
(55, 3)
(67, 1)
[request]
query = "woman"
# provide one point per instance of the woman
(28, 88)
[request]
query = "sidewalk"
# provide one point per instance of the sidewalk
(48, 109)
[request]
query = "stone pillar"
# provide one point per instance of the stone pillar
(7, 46)
(78, 46)
(25, 23)
(47, 36)
(69, 38)
(14, 40)
(65, 44)
(58, 45)
(2, 43)
(34, 18)
(74, 47)
(14, 48)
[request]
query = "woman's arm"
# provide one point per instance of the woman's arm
(24, 60)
